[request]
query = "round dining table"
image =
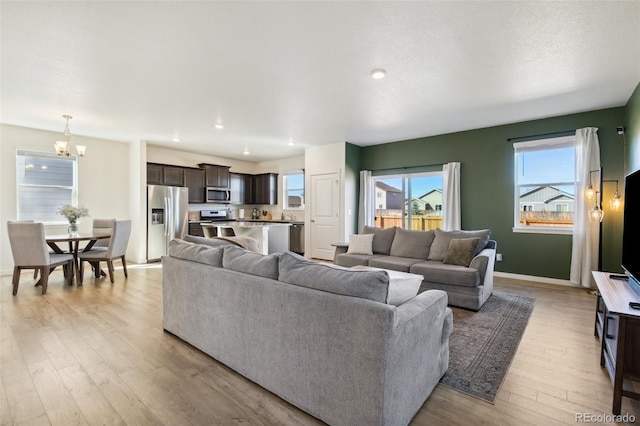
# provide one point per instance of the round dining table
(74, 241)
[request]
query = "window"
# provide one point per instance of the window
(293, 191)
(410, 201)
(545, 185)
(45, 182)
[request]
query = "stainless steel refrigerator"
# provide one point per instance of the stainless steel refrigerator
(167, 218)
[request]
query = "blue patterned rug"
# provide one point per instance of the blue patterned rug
(483, 343)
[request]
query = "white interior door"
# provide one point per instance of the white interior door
(325, 208)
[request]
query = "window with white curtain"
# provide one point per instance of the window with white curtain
(45, 182)
(545, 185)
(410, 201)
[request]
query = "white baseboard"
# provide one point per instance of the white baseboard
(544, 280)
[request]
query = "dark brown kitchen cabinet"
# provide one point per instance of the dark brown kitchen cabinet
(173, 175)
(155, 174)
(196, 229)
(240, 184)
(194, 179)
(265, 189)
(216, 176)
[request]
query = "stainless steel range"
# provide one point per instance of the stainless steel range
(213, 215)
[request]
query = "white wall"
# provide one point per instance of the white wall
(103, 179)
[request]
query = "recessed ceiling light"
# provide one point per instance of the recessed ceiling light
(176, 140)
(246, 151)
(291, 143)
(219, 126)
(378, 74)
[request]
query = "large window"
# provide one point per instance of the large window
(410, 201)
(45, 182)
(293, 191)
(545, 185)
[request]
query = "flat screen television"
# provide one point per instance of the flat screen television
(631, 227)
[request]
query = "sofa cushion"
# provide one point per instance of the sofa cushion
(408, 243)
(297, 270)
(438, 272)
(195, 252)
(360, 244)
(241, 260)
(402, 264)
(382, 238)
(461, 251)
(443, 238)
(211, 242)
(402, 285)
(349, 260)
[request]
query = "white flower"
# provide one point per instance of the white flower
(72, 213)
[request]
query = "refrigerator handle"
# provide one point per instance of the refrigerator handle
(167, 218)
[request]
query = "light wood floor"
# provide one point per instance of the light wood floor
(98, 355)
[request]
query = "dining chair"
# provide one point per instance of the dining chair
(30, 251)
(117, 250)
(101, 227)
(35, 270)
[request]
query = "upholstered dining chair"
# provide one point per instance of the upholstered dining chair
(30, 251)
(102, 226)
(117, 250)
(35, 270)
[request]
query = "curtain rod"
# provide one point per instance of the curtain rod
(408, 167)
(541, 134)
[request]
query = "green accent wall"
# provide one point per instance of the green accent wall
(633, 132)
(353, 160)
(486, 175)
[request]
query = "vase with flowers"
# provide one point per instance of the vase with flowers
(72, 214)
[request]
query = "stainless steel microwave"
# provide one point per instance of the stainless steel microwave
(218, 195)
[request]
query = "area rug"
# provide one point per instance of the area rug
(483, 343)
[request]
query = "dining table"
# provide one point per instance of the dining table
(73, 241)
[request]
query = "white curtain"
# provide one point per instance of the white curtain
(586, 235)
(366, 214)
(451, 196)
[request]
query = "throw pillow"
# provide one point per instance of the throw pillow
(443, 238)
(360, 244)
(414, 244)
(195, 252)
(365, 284)
(249, 262)
(461, 251)
(382, 238)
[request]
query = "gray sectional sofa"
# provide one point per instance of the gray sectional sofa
(458, 262)
(321, 337)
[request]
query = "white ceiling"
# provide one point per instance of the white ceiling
(272, 72)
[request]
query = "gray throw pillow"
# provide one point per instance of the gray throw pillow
(195, 252)
(443, 238)
(461, 251)
(414, 244)
(382, 238)
(365, 284)
(249, 262)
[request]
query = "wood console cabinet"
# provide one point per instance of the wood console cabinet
(618, 328)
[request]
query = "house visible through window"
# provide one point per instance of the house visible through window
(545, 184)
(410, 201)
(293, 190)
(45, 182)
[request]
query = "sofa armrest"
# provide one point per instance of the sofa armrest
(484, 262)
(341, 248)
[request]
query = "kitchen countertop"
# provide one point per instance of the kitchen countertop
(294, 222)
(251, 224)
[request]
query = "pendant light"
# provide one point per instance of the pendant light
(62, 147)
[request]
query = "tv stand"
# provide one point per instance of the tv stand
(617, 326)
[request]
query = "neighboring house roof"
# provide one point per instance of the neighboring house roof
(383, 186)
(558, 193)
(430, 192)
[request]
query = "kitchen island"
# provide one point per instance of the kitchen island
(272, 237)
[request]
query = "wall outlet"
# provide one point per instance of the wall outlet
(498, 257)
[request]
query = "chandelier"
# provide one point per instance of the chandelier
(62, 147)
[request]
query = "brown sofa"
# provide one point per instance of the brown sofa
(458, 262)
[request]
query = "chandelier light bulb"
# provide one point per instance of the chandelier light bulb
(616, 202)
(589, 192)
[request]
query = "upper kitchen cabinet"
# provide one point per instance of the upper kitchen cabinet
(240, 188)
(194, 179)
(163, 174)
(265, 188)
(173, 175)
(216, 176)
(155, 174)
